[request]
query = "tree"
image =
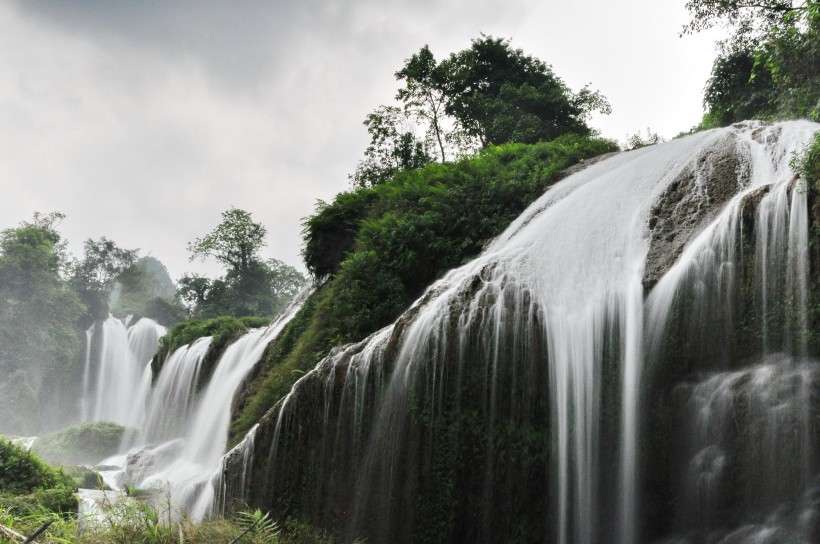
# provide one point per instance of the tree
(750, 19)
(93, 277)
(424, 94)
(485, 95)
(393, 148)
(39, 339)
(250, 285)
(637, 140)
(235, 242)
(769, 67)
(498, 94)
(737, 89)
(146, 289)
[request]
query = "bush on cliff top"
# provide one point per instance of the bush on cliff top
(374, 250)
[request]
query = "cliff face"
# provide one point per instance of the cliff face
(472, 419)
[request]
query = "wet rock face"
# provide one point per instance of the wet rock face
(145, 462)
(690, 203)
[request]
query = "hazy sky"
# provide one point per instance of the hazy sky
(143, 120)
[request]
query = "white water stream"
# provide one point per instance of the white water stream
(182, 423)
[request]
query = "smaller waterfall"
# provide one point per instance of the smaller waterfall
(184, 428)
(244, 451)
(123, 373)
(172, 400)
(86, 400)
(751, 436)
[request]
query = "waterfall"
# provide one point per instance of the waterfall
(518, 383)
(184, 428)
(122, 368)
(741, 290)
(86, 400)
(173, 396)
(752, 426)
(244, 451)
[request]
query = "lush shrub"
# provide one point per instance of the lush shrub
(86, 443)
(807, 164)
(375, 250)
(772, 74)
(28, 484)
(424, 222)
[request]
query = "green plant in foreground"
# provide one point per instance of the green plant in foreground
(261, 524)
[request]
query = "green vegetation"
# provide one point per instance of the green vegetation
(28, 485)
(807, 165)
(250, 285)
(222, 330)
(770, 67)
(47, 300)
(146, 289)
(404, 234)
(487, 94)
(87, 443)
(389, 242)
(134, 522)
(93, 277)
(39, 342)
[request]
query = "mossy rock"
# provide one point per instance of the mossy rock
(84, 444)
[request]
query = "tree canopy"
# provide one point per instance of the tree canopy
(487, 94)
(251, 285)
(235, 242)
(39, 341)
(770, 65)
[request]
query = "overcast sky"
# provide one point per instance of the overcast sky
(143, 120)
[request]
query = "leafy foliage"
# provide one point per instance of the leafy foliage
(146, 289)
(498, 94)
(250, 285)
(485, 95)
(261, 524)
(39, 342)
(387, 243)
(392, 148)
(222, 331)
(235, 242)
(770, 67)
(751, 19)
(136, 522)
(637, 140)
(807, 164)
(424, 222)
(424, 96)
(27, 483)
(330, 232)
(93, 276)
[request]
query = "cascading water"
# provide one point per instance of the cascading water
(511, 400)
(750, 447)
(183, 431)
(117, 380)
(174, 393)
(244, 452)
(739, 296)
